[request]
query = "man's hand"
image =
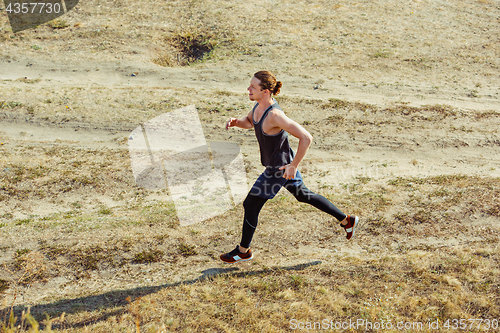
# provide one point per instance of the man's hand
(241, 123)
(232, 122)
(290, 171)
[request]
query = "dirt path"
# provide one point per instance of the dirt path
(230, 78)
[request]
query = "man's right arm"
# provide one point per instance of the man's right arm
(244, 122)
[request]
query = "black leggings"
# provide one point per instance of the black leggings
(253, 204)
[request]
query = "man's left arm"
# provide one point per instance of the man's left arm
(279, 119)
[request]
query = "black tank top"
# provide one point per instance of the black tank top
(275, 150)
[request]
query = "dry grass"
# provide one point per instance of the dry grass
(53, 172)
(369, 41)
(416, 287)
(189, 47)
(105, 256)
(58, 24)
(148, 256)
(411, 283)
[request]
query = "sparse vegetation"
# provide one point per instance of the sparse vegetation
(148, 256)
(11, 104)
(58, 24)
(381, 54)
(92, 252)
(189, 47)
(25, 79)
(187, 250)
(105, 210)
(4, 284)
(434, 270)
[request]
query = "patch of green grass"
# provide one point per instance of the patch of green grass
(381, 54)
(10, 105)
(148, 256)
(187, 250)
(161, 212)
(335, 103)
(24, 221)
(105, 210)
(298, 281)
(58, 24)
(20, 252)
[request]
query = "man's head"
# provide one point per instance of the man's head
(263, 85)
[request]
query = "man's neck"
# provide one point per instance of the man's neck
(265, 102)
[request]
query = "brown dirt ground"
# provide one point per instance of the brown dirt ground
(402, 99)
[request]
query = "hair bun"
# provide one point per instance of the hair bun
(278, 87)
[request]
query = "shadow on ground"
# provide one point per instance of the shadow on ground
(117, 299)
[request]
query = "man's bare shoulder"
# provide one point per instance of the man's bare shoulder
(277, 116)
(276, 113)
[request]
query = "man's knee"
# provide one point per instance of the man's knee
(252, 202)
(247, 203)
(303, 194)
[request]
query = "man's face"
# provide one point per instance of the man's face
(255, 92)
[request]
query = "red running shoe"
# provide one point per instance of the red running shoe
(236, 256)
(350, 227)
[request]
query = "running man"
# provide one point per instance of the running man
(271, 126)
